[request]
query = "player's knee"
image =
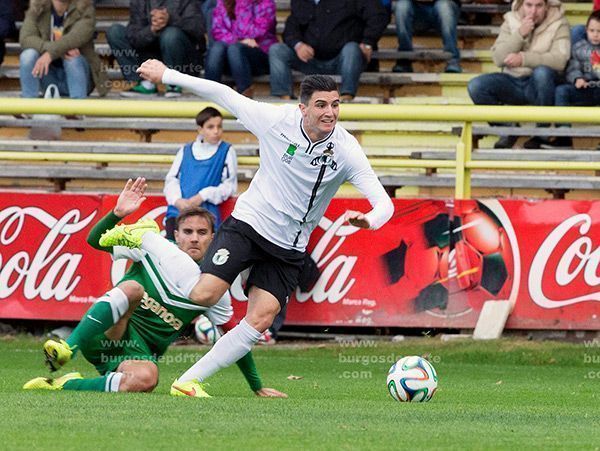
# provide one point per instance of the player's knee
(139, 379)
(262, 320)
(133, 290)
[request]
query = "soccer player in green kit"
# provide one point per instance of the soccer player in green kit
(127, 330)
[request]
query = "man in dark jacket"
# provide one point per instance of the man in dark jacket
(7, 25)
(168, 30)
(327, 37)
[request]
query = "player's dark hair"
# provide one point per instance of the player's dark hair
(594, 16)
(206, 114)
(314, 83)
(195, 211)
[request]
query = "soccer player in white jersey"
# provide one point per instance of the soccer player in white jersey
(304, 158)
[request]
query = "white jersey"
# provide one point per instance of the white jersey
(297, 178)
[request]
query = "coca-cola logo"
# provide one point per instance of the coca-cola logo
(579, 258)
(50, 273)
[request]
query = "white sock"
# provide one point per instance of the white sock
(231, 347)
(118, 302)
(147, 84)
(113, 381)
(177, 266)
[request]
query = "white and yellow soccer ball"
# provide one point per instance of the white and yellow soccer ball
(412, 379)
(206, 332)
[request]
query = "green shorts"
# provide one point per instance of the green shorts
(106, 355)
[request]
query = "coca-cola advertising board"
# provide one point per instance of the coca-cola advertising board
(433, 264)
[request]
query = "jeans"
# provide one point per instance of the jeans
(505, 89)
(349, 63)
(207, 11)
(441, 15)
(577, 34)
(242, 61)
(569, 95)
(73, 79)
(172, 46)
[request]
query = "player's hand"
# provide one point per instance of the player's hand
(42, 65)
(304, 52)
(152, 70)
(131, 197)
(249, 42)
(527, 26)
(270, 393)
(581, 83)
(513, 60)
(357, 219)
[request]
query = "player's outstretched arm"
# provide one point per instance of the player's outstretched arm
(128, 202)
(257, 117)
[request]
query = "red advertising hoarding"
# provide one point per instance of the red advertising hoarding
(433, 265)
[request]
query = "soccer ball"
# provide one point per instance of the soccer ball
(206, 332)
(413, 379)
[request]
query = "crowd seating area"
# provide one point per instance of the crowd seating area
(86, 156)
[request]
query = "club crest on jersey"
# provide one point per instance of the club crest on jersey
(220, 257)
(326, 159)
(288, 156)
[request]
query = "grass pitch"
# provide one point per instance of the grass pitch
(494, 395)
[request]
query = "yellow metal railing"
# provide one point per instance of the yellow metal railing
(463, 164)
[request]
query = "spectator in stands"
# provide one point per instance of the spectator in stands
(57, 38)
(7, 25)
(583, 80)
(578, 32)
(204, 172)
(532, 49)
(423, 15)
(327, 37)
(169, 30)
(242, 31)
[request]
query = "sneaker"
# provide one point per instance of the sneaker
(173, 91)
(535, 142)
(560, 142)
(453, 68)
(57, 353)
(193, 389)
(44, 383)
(139, 91)
(505, 142)
(402, 66)
(128, 235)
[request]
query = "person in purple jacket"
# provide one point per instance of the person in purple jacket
(243, 31)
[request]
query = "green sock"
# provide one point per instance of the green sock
(248, 368)
(99, 318)
(108, 382)
(96, 320)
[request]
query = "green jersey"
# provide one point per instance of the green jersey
(164, 311)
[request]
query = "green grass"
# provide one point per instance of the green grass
(494, 395)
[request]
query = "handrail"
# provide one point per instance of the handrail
(446, 113)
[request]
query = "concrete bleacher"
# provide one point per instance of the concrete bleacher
(159, 138)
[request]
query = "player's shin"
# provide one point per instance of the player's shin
(105, 312)
(229, 349)
(175, 265)
(108, 383)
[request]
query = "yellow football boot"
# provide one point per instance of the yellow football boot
(57, 353)
(128, 235)
(193, 389)
(44, 383)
